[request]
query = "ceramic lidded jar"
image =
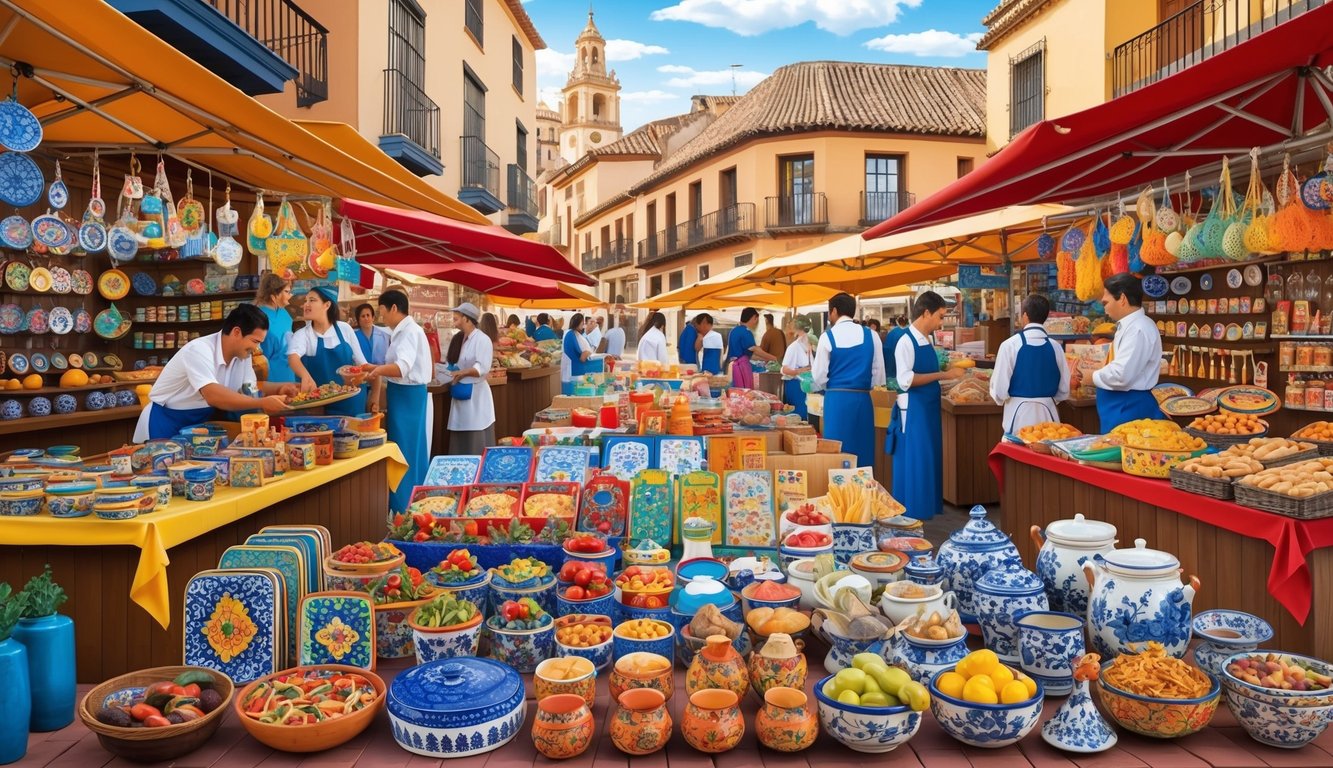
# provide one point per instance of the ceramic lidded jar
(1062, 549)
(641, 724)
(999, 596)
(786, 722)
(1137, 596)
(779, 663)
(563, 726)
(713, 721)
(925, 571)
(456, 707)
(971, 551)
(718, 665)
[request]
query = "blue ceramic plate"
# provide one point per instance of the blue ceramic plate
(1206, 282)
(1181, 285)
(21, 182)
(20, 130)
(1155, 286)
(18, 364)
(143, 284)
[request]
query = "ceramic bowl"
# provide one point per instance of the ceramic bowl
(346, 444)
(1155, 717)
(543, 592)
(688, 570)
(366, 422)
(62, 450)
(983, 725)
(69, 504)
(1281, 698)
(664, 646)
(522, 649)
(374, 439)
(314, 423)
(124, 510)
(602, 605)
(600, 654)
(873, 730)
(786, 526)
(749, 602)
(476, 590)
(1275, 725)
(482, 707)
(546, 683)
(625, 674)
(21, 483)
(315, 737)
(787, 556)
(159, 485)
(153, 745)
(1223, 632)
(21, 503)
(899, 608)
(606, 557)
(117, 494)
(434, 643)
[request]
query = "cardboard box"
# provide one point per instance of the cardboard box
(816, 466)
(570, 402)
(797, 444)
(773, 440)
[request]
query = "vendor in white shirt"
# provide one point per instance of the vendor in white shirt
(614, 340)
(401, 383)
(1031, 374)
(653, 343)
(797, 360)
(1124, 384)
(471, 418)
(710, 347)
(848, 362)
(322, 346)
(207, 375)
(595, 333)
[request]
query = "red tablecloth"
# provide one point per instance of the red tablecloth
(1288, 579)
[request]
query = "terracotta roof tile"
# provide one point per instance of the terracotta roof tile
(1006, 17)
(525, 24)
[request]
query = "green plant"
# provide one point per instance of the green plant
(11, 609)
(42, 596)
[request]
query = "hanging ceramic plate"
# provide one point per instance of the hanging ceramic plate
(109, 325)
(144, 284)
(20, 130)
(21, 181)
(75, 360)
(113, 285)
(92, 237)
(228, 253)
(1253, 275)
(1234, 278)
(16, 276)
(1219, 331)
(83, 321)
(1206, 282)
(39, 363)
(1181, 285)
(90, 359)
(51, 231)
(36, 321)
(15, 232)
(58, 194)
(113, 362)
(11, 318)
(58, 361)
(61, 320)
(40, 280)
(1248, 399)
(121, 243)
(60, 280)
(1187, 405)
(1155, 286)
(81, 282)
(18, 363)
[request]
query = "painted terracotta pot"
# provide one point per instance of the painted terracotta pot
(713, 721)
(784, 666)
(563, 726)
(718, 665)
(544, 683)
(641, 670)
(641, 724)
(786, 722)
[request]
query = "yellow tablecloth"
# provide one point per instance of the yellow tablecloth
(183, 520)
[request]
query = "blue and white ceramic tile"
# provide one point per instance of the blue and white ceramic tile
(453, 470)
(681, 455)
(562, 464)
(286, 561)
(506, 464)
(651, 505)
(625, 457)
(337, 629)
(307, 543)
(231, 623)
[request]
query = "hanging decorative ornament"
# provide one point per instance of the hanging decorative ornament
(132, 189)
(1045, 246)
(58, 194)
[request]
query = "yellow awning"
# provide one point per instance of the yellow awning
(574, 298)
(99, 81)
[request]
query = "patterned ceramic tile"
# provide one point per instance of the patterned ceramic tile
(650, 505)
(287, 561)
(509, 464)
(625, 457)
(561, 463)
(680, 455)
(231, 623)
(453, 470)
(320, 532)
(750, 519)
(605, 500)
(337, 628)
(309, 545)
(699, 494)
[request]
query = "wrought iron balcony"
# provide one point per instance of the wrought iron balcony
(617, 253)
(807, 211)
(522, 201)
(411, 132)
(880, 206)
(735, 222)
(1202, 30)
(479, 185)
(287, 30)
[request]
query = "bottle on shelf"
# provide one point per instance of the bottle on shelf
(1314, 287)
(1276, 287)
(1295, 286)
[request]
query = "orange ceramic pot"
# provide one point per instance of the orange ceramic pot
(641, 670)
(563, 726)
(544, 683)
(786, 722)
(641, 724)
(713, 720)
(718, 665)
(766, 673)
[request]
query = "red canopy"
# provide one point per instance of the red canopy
(1265, 91)
(401, 239)
(490, 280)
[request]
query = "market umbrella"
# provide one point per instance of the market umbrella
(572, 297)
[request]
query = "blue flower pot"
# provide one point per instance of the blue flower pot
(604, 605)
(50, 644)
(15, 701)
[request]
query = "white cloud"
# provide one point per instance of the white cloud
(693, 78)
(755, 17)
(629, 50)
(551, 95)
(932, 42)
(553, 66)
(648, 96)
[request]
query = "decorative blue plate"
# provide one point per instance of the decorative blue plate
(121, 243)
(61, 320)
(83, 321)
(143, 284)
(15, 232)
(337, 628)
(59, 362)
(561, 464)
(1206, 281)
(453, 470)
(50, 230)
(21, 181)
(20, 130)
(1181, 285)
(39, 363)
(231, 624)
(1155, 286)
(506, 465)
(92, 236)
(18, 364)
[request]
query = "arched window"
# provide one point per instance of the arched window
(573, 108)
(598, 105)
(595, 57)
(585, 57)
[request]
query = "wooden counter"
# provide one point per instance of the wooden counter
(526, 391)
(1081, 414)
(969, 433)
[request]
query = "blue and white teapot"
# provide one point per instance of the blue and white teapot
(1137, 596)
(1062, 548)
(971, 551)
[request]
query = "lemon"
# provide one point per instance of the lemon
(982, 662)
(1014, 692)
(951, 684)
(980, 690)
(964, 667)
(1001, 676)
(1028, 683)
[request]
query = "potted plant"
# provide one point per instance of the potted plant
(49, 638)
(15, 693)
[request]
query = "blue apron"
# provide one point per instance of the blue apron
(274, 345)
(405, 423)
(849, 415)
(570, 349)
(323, 368)
(793, 395)
(685, 347)
(890, 345)
(712, 361)
(1116, 407)
(367, 344)
(164, 422)
(1036, 373)
(917, 443)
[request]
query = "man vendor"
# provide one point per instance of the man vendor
(1124, 384)
(1030, 374)
(848, 362)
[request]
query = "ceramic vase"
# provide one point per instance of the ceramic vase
(563, 726)
(786, 722)
(718, 665)
(1061, 550)
(641, 724)
(784, 667)
(49, 641)
(713, 721)
(15, 701)
(970, 552)
(1137, 596)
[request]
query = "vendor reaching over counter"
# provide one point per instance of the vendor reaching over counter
(1031, 374)
(402, 381)
(207, 375)
(1124, 384)
(848, 362)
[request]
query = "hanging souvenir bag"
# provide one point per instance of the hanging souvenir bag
(1045, 246)
(1066, 265)
(192, 218)
(1152, 240)
(172, 230)
(323, 256)
(1215, 225)
(1233, 237)
(258, 228)
(1123, 229)
(1191, 246)
(349, 271)
(152, 223)
(1289, 230)
(132, 189)
(1314, 224)
(288, 246)
(1257, 238)
(1166, 218)
(227, 253)
(1089, 272)
(92, 231)
(1314, 194)
(123, 239)
(1135, 248)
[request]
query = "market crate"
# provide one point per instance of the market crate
(484, 521)
(828, 446)
(451, 500)
(1190, 482)
(799, 443)
(1309, 508)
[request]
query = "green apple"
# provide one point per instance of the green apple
(874, 699)
(915, 695)
(851, 679)
(849, 697)
(891, 679)
(861, 660)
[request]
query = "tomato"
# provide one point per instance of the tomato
(470, 528)
(142, 712)
(568, 571)
(156, 721)
(191, 690)
(652, 602)
(523, 611)
(583, 577)
(395, 581)
(575, 593)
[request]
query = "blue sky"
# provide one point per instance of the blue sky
(664, 51)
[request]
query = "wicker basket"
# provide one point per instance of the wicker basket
(1325, 447)
(1313, 453)
(1310, 508)
(1222, 442)
(151, 745)
(1203, 486)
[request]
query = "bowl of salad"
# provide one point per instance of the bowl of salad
(310, 708)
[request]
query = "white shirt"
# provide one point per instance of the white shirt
(713, 340)
(595, 337)
(1138, 355)
(653, 346)
(195, 366)
(904, 357)
(477, 412)
(847, 334)
(410, 350)
(566, 371)
(303, 342)
(1007, 357)
(797, 356)
(615, 342)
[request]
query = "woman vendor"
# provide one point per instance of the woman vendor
(324, 345)
(741, 346)
(575, 352)
(796, 361)
(272, 297)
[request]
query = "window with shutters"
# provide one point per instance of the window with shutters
(518, 66)
(1027, 88)
(472, 19)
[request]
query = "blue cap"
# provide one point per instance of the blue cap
(327, 291)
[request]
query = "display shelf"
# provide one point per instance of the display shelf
(78, 418)
(1208, 314)
(67, 390)
(174, 322)
(1307, 369)
(1295, 337)
(195, 296)
(1223, 264)
(1286, 407)
(1253, 345)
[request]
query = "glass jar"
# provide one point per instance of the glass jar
(1323, 356)
(1314, 395)
(1304, 355)
(1286, 355)
(1295, 394)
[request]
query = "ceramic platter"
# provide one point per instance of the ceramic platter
(1254, 275)
(1248, 399)
(1187, 405)
(1167, 390)
(21, 181)
(1210, 394)
(113, 285)
(1181, 285)
(1234, 278)
(1206, 282)
(81, 282)
(1155, 286)
(318, 403)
